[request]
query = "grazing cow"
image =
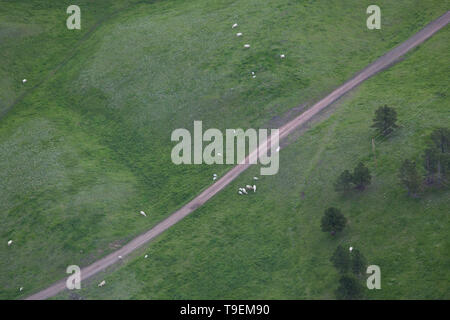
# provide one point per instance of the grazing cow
(10, 242)
(234, 25)
(101, 284)
(143, 213)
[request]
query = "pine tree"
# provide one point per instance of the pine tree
(361, 176)
(385, 120)
(333, 221)
(344, 182)
(358, 262)
(349, 288)
(410, 178)
(341, 259)
(441, 139)
(437, 155)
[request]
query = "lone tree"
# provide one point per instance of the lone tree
(410, 178)
(437, 155)
(341, 259)
(349, 288)
(333, 221)
(385, 120)
(358, 262)
(344, 182)
(361, 176)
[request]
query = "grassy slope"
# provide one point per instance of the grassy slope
(269, 245)
(34, 39)
(85, 152)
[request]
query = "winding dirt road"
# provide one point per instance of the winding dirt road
(381, 63)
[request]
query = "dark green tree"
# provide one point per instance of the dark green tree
(437, 156)
(361, 176)
(385, 120)
(441, 139)
(410, 178)
(358, 262)
(344, 182)
(349, 288)
(333, 220)
(341, 259)
(430, 163)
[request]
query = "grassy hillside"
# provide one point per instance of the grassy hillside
(269, 245)
(89, 148)
(34, 40)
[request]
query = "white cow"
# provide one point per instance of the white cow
(246, 46)
(234, 25)
(143, 213)
(254, 188)
(101, 284)
(10, 242)
(239, 34)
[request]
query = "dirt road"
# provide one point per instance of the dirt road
(381, 63)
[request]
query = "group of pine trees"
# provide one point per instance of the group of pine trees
(359, 179)
(351, 264)
(436, 163)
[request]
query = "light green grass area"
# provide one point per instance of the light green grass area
(90, 148)
(34, 39)
(269, 245)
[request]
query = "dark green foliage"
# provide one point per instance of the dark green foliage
(344, 182)
(385, 120)
(333, 220)
(441, 139)
(410, 178)
(437, 156)
(341, 259)
(360, 179)
(349, 288)
(361, 176)
(358, 262)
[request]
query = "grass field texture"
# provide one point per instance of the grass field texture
(82, 154)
